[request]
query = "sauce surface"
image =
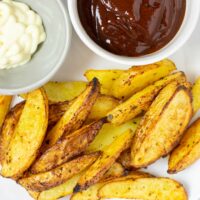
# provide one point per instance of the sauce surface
(132, 27)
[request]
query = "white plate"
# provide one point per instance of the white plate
(80, 59)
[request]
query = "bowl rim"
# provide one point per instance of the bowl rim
(189, 23)
(49, 75)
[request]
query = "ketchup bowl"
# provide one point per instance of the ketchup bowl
(107, 43)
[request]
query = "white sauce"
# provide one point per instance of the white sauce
(21, 31)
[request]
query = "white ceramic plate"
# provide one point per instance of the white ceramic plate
(81, 58)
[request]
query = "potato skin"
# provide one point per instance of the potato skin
(138, 77)
(8, 128)
(144, 188)
(28, 135)
(196, 95)
(59, 175)
(67, 148)
(104, 162)
(141, 101)
(188, 151)
(162, 126)
(75, 115)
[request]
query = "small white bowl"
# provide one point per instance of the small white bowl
(188, 26)
(49, 56)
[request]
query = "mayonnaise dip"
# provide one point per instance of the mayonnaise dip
(21, 31)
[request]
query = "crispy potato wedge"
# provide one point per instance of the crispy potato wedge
(34, 194)
(105, 77)
(144, 188)
(109, 133)
(92, 192)
(125, 159)
(163, 125)
(141, 101)
(59, 175)
(68, 147)
(67, 187)
(196, 95)
(74, 116)
(188, 150)
(104, 162)
(139, 77)
(102, 106)
(61, 190)
(28, 135)
(5, 102)
(62, 91)
(8, 128)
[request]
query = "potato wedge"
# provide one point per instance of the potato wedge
(67, 187)
(92, 192)
(59, 175)
(163, 125)
(74, 116)
(105, 77)
(125, 159)
(144, 188)
(5, 102)
(139, 77)
(28, 135)
(68, 147)
(104, 162)
(196, 95)
(188, 150)
(141, 101)
(109, 133)
(8, 128)
(62, 91)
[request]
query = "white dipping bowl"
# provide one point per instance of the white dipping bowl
(50, 54)
(188, 26)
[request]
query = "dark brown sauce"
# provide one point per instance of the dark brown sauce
(132, 27)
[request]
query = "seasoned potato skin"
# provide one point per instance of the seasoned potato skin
(188, 151)
(75, 115)
(141, 101)
(28, 135)
(144, 188)
(67, 148)
(163, 125)
(139, 77)
(104, 162)
(59, 175)
(5, 102)
(125, 159)
(8, 128)
(196, 95)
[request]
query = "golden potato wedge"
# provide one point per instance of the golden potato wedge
(34, 194)
(61, 190)
(188, 150)
(105, 77)
(5, 102)
(109, 133)
(28, 135)
(67, 187)
(125, 159)
(139, 77)
(104, 162)
(59, 175)
(62, 91)
(68, 147)
(162, 126)
(141, 101)
(92, 192)
(144, 188)
(8, 128)
(74, 116)
(102, 106)
(196, 95)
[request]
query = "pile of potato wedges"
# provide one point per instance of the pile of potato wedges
(91, 139)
